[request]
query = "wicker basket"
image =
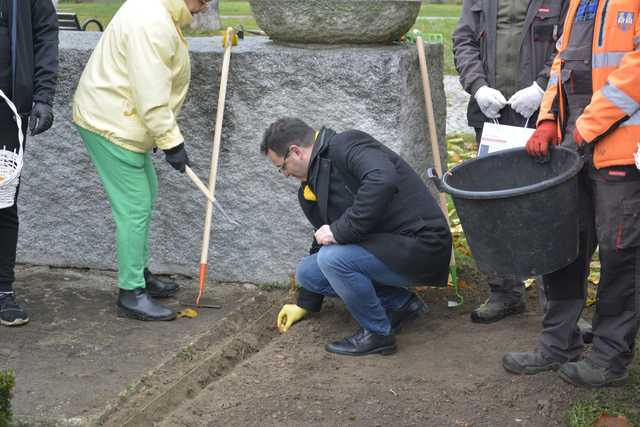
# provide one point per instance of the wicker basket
(10, 163)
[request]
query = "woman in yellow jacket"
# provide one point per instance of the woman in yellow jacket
(126, 104)
(592, 103)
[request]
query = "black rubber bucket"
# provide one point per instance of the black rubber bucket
(519, 215)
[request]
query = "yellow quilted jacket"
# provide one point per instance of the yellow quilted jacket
(137, 77)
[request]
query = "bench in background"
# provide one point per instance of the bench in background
(69, 21)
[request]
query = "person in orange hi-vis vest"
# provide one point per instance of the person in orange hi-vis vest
(592, 104)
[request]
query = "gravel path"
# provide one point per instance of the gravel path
(457, 100)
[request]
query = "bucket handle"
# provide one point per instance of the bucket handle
(433, 177)
(526, 122)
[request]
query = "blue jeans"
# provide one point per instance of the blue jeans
(364, 283)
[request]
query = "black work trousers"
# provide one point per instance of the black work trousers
(615, 194)
(9, 216)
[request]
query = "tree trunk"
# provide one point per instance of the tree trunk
(209, 20)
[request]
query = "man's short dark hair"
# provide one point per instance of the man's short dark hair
(285, 132)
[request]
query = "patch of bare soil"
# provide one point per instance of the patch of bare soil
(447, 372)
(77, 363)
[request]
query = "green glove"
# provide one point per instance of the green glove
(290, 314)
(411, 36)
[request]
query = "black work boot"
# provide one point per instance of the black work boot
(493, 310)
(411, 310)
(585, 374)
(11, 313)
(159, 288)
(137, 304)
(528, 363)
(362, 343)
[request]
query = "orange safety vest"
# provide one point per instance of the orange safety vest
(612, 118)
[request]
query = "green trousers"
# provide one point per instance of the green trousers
(131, 184)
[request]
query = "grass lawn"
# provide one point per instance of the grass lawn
(449, 10)
(101, 11)
(104, 11)
(444, 27)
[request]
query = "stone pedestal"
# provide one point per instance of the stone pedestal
(65, 216)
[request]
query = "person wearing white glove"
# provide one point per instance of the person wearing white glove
(526, 101)
(490, 101)
(499, 49)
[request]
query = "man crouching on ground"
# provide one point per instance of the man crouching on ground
(378, 231)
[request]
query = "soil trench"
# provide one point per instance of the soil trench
(447, 372)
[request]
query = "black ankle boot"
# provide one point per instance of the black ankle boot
(159, 288)
(411, 310)
(363, 342)
(137, 304)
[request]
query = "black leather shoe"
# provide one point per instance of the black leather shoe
(137, 304)
(159, 288)
(411, 310)
(362, 343)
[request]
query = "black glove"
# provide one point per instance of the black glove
(41, 118)
(177, 157)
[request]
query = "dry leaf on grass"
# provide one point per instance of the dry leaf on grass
(606, 420)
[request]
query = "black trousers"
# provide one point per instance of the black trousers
(615, 194)
(9, 216)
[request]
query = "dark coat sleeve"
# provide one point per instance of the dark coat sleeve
(543, 76)
(369, 165)
(44, 24)
(467, 54)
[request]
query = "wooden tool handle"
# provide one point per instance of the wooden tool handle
(431, 121)
(198, 182)
(433, 135)
(216, 145)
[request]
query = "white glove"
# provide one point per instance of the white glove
(490, 101)
(526, 101)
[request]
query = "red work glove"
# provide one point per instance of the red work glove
(577, 138)
(545, 134)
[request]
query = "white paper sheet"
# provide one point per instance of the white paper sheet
(497, 137)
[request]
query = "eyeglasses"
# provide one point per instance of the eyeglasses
(283, 166)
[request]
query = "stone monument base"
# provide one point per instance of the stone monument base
(65, 216)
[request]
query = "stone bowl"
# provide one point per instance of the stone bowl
(335, 21)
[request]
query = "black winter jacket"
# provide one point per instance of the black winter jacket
(371, 197)
(35, 37)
